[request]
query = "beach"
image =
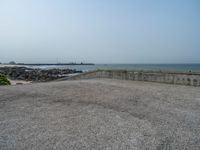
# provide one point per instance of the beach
(99, 114)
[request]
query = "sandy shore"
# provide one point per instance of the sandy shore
(16, 82)
(99, 114)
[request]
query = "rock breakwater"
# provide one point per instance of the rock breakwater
(31, 74)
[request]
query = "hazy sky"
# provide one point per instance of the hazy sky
(100, 31)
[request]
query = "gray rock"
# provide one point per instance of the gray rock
(30, 74)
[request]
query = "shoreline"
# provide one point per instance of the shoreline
(108, 69)
(25, 75)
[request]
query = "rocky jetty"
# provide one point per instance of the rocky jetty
(37, 75)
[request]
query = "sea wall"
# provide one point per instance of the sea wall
(191, 79)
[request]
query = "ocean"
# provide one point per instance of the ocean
(146, 67)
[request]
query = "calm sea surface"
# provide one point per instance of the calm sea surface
(154, 67)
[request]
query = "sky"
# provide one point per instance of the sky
(100, 31)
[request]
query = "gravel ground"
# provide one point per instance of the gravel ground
(100, 114)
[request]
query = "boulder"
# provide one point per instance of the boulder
(30, 74)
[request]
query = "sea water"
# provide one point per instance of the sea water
(152, 67)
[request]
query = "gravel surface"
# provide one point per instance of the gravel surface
(100, 114)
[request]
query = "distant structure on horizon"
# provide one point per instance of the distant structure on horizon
(50, 64)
